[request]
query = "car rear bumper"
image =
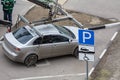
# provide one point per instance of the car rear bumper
(11, 55)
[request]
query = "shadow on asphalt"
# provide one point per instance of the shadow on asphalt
(40, 62)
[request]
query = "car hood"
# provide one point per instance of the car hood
(74, 30)
(12, 40)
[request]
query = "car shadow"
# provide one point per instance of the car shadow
(57, 58)
(41, 62)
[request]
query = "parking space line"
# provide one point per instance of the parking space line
(103, 53)
(91, 71)
(55, 76)
(114, 36)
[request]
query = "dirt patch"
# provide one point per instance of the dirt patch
(38, 13)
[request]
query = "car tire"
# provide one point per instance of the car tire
(31, 60)
(76, 52)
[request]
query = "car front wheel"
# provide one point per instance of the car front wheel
(76, 53)
(30, 60)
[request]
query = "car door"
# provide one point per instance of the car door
(61, 45)
(43, 48)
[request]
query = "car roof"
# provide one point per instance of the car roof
(46, 29)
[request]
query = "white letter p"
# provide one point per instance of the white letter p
(86, 37)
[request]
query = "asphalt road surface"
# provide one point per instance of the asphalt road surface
(103, 8)
(59, 68)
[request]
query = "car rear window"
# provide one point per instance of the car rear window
(22, 35)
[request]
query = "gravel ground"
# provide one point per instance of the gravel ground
(109, 68)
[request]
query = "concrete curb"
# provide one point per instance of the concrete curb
(65, 2)
(104, 26)
(25, 12)
(109, 44)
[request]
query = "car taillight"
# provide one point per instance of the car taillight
(17, 49)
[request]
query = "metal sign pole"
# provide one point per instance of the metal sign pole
(86, 47)
(86, 59)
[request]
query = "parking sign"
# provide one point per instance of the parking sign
(86, 37)
(86, 44)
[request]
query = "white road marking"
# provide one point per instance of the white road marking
(91, 71)
(102, 54)
(55, 76)
(115, 34)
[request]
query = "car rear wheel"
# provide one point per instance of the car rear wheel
(31, 60)
(76, 52)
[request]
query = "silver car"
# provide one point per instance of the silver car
(27, 45)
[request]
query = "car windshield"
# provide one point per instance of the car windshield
(22, 35)
(65, 31)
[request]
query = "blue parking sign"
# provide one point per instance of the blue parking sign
(86, 37)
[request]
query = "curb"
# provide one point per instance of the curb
(104, 26)
(103, 53)
(65, 2)
(109, 44)
(111, 25)
(25, 12)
